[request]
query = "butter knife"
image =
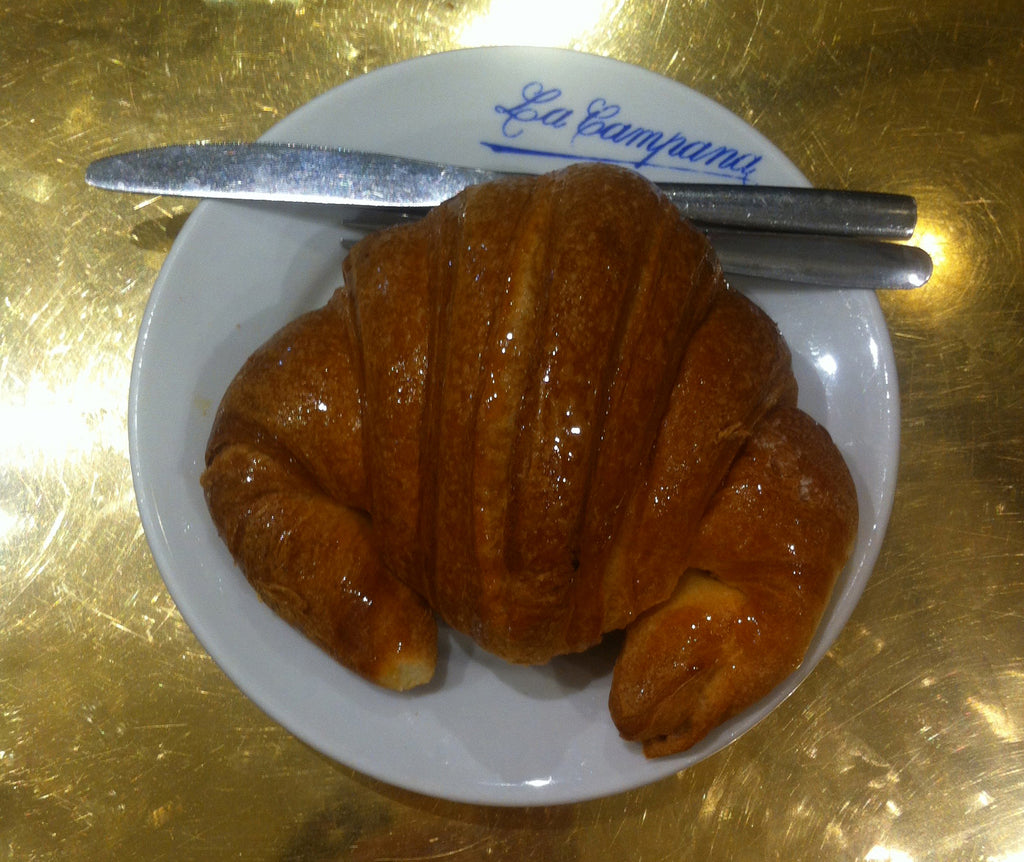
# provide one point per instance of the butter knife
(292, 172)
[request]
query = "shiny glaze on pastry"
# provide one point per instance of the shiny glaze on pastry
(540, 414)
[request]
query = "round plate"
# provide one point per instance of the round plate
(483, 731)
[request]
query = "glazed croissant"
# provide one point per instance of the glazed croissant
(541, 415)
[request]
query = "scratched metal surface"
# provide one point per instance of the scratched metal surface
(119, 737)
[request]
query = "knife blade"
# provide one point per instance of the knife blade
(292, 172)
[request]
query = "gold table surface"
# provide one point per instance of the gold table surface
(120, 738)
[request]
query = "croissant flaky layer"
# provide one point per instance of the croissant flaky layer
(541, 415)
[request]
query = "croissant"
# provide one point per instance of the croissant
(540, 415)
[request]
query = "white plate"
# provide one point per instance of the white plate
(484, 732)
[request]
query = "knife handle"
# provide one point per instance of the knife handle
(797, 210)
(822, 261)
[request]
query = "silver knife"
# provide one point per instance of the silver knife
(291, 172)
(297, 173)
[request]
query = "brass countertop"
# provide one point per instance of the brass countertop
(120, 738)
